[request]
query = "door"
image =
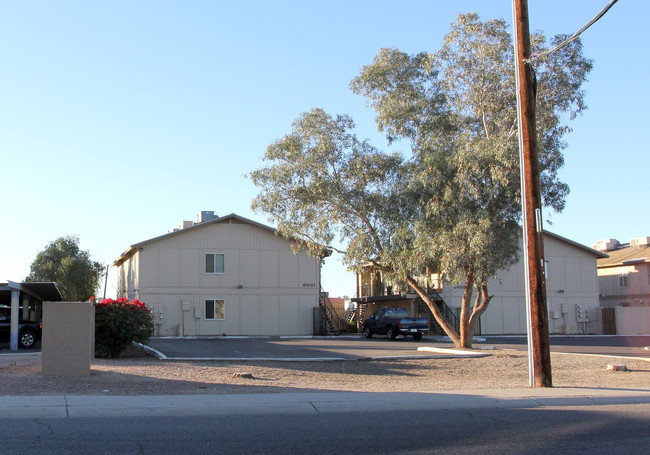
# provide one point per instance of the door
(609, 321)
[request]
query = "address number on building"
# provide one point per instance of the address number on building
(308, 285)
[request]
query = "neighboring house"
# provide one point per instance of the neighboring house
(571, 289)
(624, 276)
(227, 275)
(624, 282)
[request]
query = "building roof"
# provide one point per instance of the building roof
(227, 218)
(625, 254)
(599, 254)
(43, 291)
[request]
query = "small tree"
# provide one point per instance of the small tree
(63, 262)
(118, 323)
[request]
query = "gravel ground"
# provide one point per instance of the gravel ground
(20, 374)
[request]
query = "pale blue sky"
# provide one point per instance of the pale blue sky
(120, 119)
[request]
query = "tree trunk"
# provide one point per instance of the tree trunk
(465, 335)
(449, 330)
(480, 305)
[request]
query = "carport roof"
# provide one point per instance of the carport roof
(44, 291)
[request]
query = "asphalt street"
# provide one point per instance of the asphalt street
(530, 421)
(595, 429)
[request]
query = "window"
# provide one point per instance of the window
(214, 309)
(623, 279)
(214, 263)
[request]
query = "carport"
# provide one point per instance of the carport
(29, 296)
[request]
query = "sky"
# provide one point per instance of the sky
(120, 119)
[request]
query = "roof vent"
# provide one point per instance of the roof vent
(606, 245)
(206, 215)
(640, 241)
(185, 224)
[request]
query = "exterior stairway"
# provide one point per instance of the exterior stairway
(450, 315)
(329, 321)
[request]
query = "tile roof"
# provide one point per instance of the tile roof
(625, 254)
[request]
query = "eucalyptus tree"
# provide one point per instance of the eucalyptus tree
(323, 186)
(466, 163)
(454, 205)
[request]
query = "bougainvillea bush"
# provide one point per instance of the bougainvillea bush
(118, 323)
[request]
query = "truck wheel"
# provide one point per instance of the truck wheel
(390, 333)
(27, 339)
(417, 336)
(367, 332)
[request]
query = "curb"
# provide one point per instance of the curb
(456, 352)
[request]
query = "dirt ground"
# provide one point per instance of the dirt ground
(21, 375)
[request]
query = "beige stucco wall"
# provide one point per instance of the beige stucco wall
(571, 281)
(266, 288)
(633, 321)
(67, 347)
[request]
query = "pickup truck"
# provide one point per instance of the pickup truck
(394, 322)
(29, 332)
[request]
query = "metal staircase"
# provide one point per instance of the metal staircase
(450, 315)
(329, 320)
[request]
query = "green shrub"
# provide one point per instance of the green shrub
(118, 323)
(351, 327)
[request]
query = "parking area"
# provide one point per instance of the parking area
(344, 347)
(357, 347)
(618, 345)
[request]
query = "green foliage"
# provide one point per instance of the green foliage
(454, 206)
(351, 327)
(76, 275)
(118, 323)
(457, 107)
(465, 165)
(321, 181)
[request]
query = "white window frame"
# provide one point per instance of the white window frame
(623, 279)
(214, 263)
(214, 309)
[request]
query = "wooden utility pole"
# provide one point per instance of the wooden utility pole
(538, 339)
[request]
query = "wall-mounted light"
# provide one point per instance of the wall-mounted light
(239, 286)
(561, 291)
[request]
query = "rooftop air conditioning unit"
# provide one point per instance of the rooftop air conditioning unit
(640, 241)
(185, 224)
(206, 215)
(606, 245)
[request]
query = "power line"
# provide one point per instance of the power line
(568, 40)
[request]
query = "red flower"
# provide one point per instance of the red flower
(124, 302)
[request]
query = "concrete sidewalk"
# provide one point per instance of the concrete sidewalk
(310, 403)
